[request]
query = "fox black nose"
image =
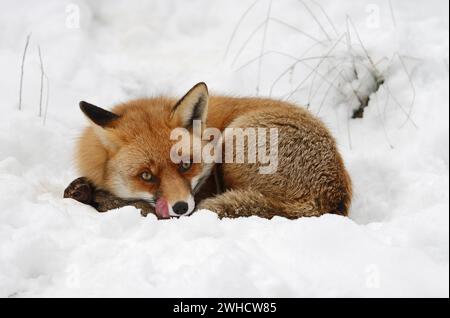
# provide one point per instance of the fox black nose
(180, 207)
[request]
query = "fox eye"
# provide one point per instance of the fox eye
(185, 166)
(146, 176)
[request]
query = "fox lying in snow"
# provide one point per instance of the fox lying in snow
(129, 152)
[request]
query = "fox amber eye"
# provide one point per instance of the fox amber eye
(146, 176)
(185, 166)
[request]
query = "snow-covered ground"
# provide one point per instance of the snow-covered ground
(396, 241)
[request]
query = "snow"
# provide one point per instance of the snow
(396, 240)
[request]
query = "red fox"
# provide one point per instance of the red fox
(128, 151)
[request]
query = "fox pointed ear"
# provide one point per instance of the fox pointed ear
(193, 106)
(97, 115)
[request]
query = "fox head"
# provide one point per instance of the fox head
(127, 150)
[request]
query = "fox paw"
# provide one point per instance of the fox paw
(222, 209)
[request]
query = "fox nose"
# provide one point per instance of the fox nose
(180, 207)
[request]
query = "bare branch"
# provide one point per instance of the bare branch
(349, 134)
(47, 96)
(22, 69)
(238, 25)
(42, 81)
(369, 58)
(246, 64)
(318, 65)
(299, 59)
(328, 92)
(327, 16)
(413, 88)
(383, 122)
(313, 70)
(332, 85)
(254, 32)
(297, 30)
(263, 47)
(391, 7)
(399, 105)
(317, 20)
(350, 49)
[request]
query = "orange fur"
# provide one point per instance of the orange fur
(311, 179)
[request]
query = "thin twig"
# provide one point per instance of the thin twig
(383, 122)
(386, 104)
(263, 47)
(317, 20)
(311, 88)
(413, 88)
(236, 28)
(327, 16)
(296, 29)
(391, 7)
(369, 58)
(242, 48)
(253, 60)
(327, 93)
(42, 81)
(329, 72)
(318, 65)
(313, 70)
(47, 96)
(349, 134)
(369, 73)
(22, 69)
(399, 105)
(350, 50)
(292, 66)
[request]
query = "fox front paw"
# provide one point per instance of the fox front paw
(221, 208)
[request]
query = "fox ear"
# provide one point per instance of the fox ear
(193, 106)
(97, 115)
